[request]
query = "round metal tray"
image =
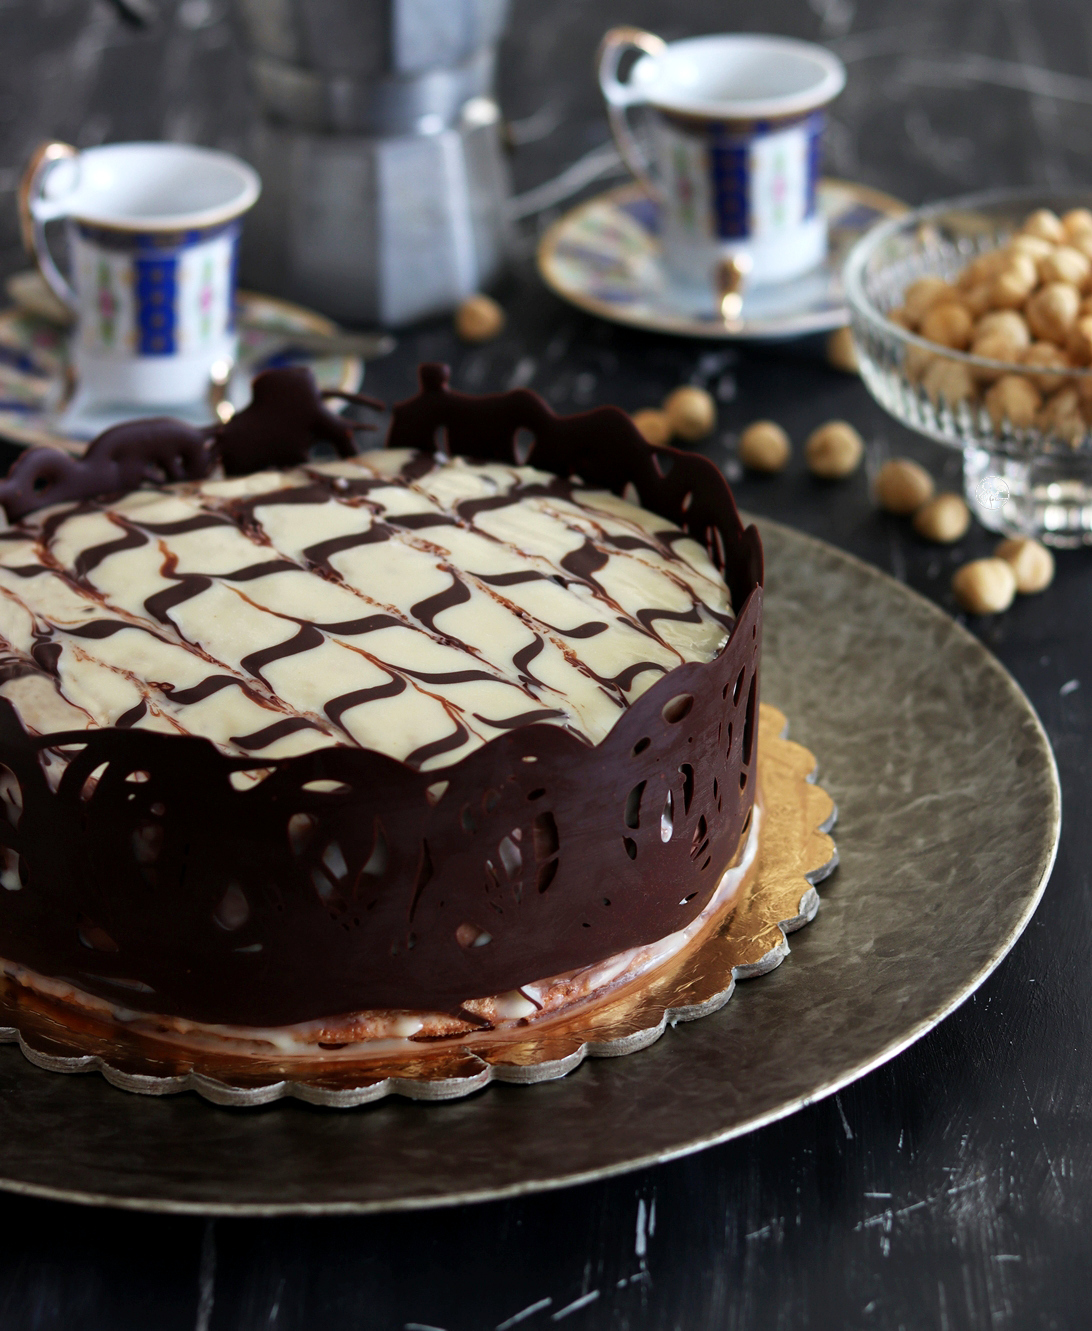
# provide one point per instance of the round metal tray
(949, 813)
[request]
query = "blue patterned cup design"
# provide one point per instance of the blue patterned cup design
(736, 127)
(153, 236)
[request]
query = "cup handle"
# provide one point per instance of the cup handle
(32, 224)
(620, 96)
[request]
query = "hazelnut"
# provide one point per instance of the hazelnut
(1014, 283)
(978, 298)
(833, 450)
(654, 425)
(1061, 416)
(1077, 220)
(691, 411)
(902, 486)
(944, 519)
(995, 346)
(985, 586)
(1079, 341)
(898, 315)
(1051, 311)
(1013, 399)
(1065, 264)
(1033, 245)
(479, 319)
(922, 295)
(841, 352)
(1044, 224)
(948, 380)
(916, 361)
(764, 446)
(1082, 241)
(1047, 356)
(983, 269)
(1032, 563)
(948, 324)
(1009, 322)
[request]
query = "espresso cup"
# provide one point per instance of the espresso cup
(153, 233)
(736, 126)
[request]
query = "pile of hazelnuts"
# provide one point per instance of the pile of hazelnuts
(1027, 304)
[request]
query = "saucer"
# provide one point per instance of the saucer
(604, 257)
(35, 379)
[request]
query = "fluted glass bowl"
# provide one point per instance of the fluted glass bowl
(1022, 479)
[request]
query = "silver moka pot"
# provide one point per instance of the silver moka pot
(384, 182)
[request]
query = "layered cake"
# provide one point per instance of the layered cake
(432, 737)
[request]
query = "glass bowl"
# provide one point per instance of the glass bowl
(1030, 479)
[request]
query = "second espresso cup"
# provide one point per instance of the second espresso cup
(153, 234)
(736, 124)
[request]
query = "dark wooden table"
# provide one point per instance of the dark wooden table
(953, 1186)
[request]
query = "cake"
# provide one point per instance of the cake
(413, 742)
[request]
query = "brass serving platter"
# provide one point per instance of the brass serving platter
(949, 813)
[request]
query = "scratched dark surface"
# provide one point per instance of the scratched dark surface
(952, 1187)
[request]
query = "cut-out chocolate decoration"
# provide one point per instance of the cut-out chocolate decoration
(318, 941)
(284, 420)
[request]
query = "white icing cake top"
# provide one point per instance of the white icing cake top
(414, 606)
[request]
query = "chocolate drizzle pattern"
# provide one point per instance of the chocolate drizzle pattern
(307, 864)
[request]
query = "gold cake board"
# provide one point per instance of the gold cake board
(747, 938)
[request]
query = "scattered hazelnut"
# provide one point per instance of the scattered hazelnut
(1047, 356)
(691, 411)
(833, 450)
(1051, 311)
(1032, 563)
(949, 324)
(985, 586)
(841, 353)
(1065, 264)
(1046, 225)
(902, 486)
(944, 519)
(1014, 399)
(922, 295)
(764, 446)
(1009, 322)
(949, 380)
(1077, 220)
(654, 425)
(479, 319)
(1014, 283)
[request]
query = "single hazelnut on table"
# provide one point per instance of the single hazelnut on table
(948, 380)
(1065, 264)
(841, 353)
(764, 446)
(1032, 563)
(1010, 323)
(1050, 312)
(902, 486)
(833, 450)
(654, 425)
(1046, 225)
(479, 319)
(1014, 283)
(691, 411)
(1014, 399)
(1047, 356)
(948, 323)
(1077, 220)
(944, 519)
(920, 296)
(985, 586)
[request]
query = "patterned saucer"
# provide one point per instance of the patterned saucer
(35, 381)
(604, 257)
